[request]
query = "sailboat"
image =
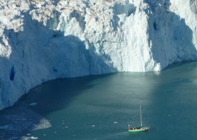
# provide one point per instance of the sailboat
(140, 128)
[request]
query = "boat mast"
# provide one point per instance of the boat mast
(140, 116)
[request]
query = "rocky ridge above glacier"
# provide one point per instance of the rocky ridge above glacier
(42, 40)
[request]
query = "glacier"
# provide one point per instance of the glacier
(42, 40)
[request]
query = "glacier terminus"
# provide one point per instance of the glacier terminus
(42, 40)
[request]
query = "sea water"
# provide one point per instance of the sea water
(101, 107)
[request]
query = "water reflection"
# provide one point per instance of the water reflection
(101, 107)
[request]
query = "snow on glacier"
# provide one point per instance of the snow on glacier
(48, 39)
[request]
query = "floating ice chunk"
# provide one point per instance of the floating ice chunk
(34, 138)
(43, 124)
(33, 104)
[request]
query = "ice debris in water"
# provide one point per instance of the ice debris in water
(33, 104)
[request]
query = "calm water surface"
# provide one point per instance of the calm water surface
(101, 107)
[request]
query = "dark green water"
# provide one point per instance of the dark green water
(101, 107)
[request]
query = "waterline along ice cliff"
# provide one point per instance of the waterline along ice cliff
(42, 40)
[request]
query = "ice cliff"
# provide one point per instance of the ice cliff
(47, 39)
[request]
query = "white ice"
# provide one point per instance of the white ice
(44, 40)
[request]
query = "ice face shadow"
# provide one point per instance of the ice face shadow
(66, 56)
(169, 36)
(31, 111)
(40, 49)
